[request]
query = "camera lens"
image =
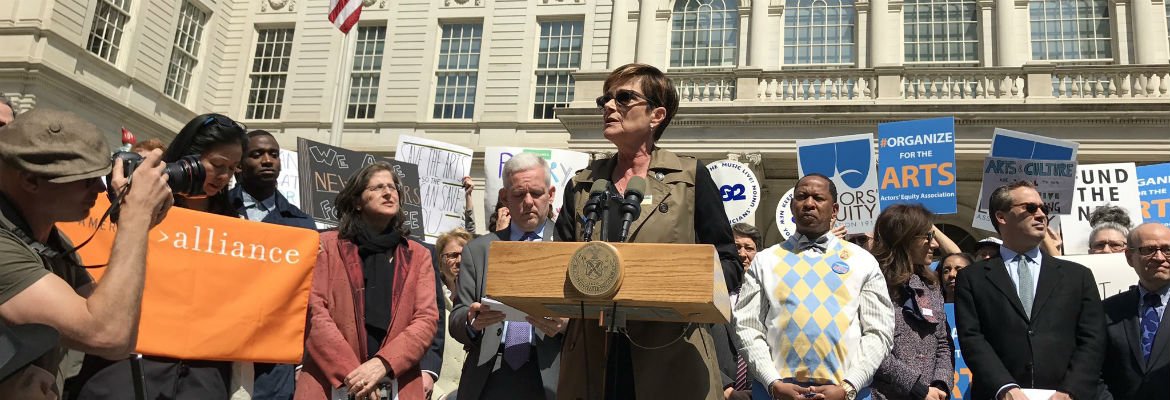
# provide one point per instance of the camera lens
(186, 176)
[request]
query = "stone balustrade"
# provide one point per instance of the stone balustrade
(962, 83)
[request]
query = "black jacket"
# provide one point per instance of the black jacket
(1125, 371)
(1061, 347)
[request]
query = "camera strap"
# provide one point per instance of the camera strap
(11, 213)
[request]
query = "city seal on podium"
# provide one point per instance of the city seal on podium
(595, 270)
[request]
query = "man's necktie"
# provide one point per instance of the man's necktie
(1150, 321)
(1026, 289)
(741, 375)
(516, 345)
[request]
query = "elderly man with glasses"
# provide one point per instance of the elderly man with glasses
(1138, 360)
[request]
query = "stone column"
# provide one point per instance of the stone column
(863, 34)
(1149, 29)
(885, 33)
(986, 34)
(619, 35)
(757, 53)
(1011, 38)
(647, 35)
(1121, 40)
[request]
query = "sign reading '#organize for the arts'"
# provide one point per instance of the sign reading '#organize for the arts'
(326, 168)
(1154, 190)
(917, 163)
(1012, 144)
(563, 164)
(785, 222)
(441, 168)
(1054, 180)
(217, 288)
(739, 189)
(849, 162)
(1098, 185)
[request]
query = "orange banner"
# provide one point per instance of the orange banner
(217, 288)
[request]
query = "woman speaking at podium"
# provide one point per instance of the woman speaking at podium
(681, 204)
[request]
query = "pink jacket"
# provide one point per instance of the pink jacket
(335, 338)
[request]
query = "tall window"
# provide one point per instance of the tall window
(703, 33)
(819, 32)
(941, 31)
(1070, 30)
(109, 20)
(458, 71)
(269, 73)
(559, 55)
(367, 72)
(185, 53)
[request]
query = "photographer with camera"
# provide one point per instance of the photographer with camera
(205, 154)
(51, 164)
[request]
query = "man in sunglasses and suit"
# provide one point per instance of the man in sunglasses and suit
(1026, 319)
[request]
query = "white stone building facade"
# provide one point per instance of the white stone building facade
(755, 75)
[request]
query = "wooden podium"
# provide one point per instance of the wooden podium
(626, 281)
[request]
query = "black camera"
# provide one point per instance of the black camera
(185, 176)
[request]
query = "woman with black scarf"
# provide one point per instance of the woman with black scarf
(372, 310)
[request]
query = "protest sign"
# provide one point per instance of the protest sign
(1054, 180)
(785, 222)
(326, 168)
(288, 183)
(217, 287)
(1011, 144)
(917, 164)
(441, 168)
(1111, 272)
(739, 189)
(849, 162)
(962, 372)
(1154, 190)
(563, 164)
(1098, 185)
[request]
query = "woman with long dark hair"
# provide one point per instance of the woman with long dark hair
(372, 311)
(921, 364)
(219, 142)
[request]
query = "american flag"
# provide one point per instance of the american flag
(344, 14)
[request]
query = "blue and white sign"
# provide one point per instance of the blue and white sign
(739, 189)
(562, 163)
(1012, 144)
(849, 162)
(785, 222)
(962, 373)
(917, 163)
(1154, 190)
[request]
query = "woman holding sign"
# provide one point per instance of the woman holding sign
(921, 365)
(219, 142)
(681, 204)
(372, 308)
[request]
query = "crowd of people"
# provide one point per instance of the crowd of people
(821, 315)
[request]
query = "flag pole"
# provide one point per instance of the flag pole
(340, 96)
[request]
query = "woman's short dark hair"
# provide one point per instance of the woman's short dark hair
(199, 135)
(750, 232)
(895, 230)
(655, 86)
(350, 198)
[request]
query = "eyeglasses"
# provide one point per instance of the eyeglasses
(452, 255)
(381, 187)
(1101, 245)
(623, 98)
(1032, 207)
(1147, 251)
(224, 122)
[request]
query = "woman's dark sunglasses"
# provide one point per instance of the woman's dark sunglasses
(623, 98)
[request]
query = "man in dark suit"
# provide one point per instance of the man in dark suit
(1027, 319)
(256, 199)
(508, 359)
(1137, 363)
